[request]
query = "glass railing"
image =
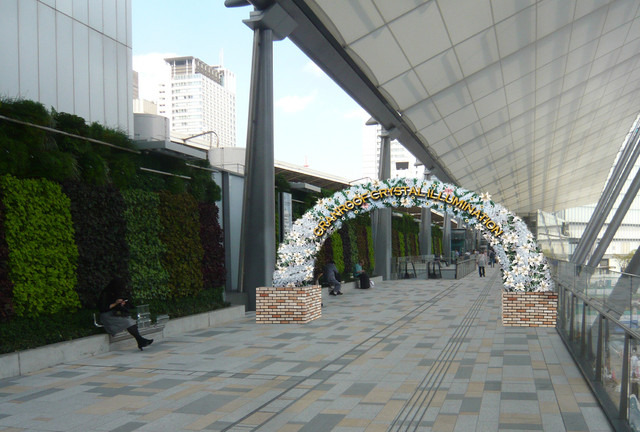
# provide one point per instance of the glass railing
(431, 267)
(598, 312)
(464, 267)
(409, 267)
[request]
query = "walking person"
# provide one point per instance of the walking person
(333, 278)
(481, 262)
(492, 258)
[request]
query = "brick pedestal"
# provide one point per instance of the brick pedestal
(288, 305)
(529, 309)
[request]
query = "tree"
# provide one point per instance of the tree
(623, 259)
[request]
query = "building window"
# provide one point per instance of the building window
(402, 166)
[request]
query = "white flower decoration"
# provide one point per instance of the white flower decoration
(516, 250)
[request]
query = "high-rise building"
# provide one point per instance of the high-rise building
(141, 106)
(74, 56)
(136, 86)
(199, 99)
(403, 163)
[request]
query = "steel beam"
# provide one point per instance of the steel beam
(615, 222)
(611, 191)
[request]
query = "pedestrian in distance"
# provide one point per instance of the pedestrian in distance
(481, 262)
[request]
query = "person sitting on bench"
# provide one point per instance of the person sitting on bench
(114, 314)
(333, 278)
(359, 273)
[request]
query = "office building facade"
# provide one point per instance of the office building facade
(74, 56)
(403, 163)
(199, 98)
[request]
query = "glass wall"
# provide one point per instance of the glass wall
(553, 236)
(598, 321)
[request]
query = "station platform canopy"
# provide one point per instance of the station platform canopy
(527, 100)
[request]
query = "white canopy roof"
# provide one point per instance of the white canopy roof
(528, 100)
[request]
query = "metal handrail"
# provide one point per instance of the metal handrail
(574, 300)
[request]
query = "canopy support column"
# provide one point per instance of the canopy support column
(425, 231)
(258, 243)
(382, 221)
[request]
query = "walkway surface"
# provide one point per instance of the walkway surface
(409, 355)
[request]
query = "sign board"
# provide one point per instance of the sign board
(286, 214)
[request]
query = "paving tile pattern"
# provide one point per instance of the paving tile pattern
(410, 355)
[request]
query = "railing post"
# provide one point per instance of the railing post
(624, 387)
(631, 309)
(567, 307)
(589, 342)
(583, 335)
(561, 306)
(571, 314)
(600, 348)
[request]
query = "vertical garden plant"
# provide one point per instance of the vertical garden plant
(180, 222)
(97, 213)
(149, 279)
(42, 251)
(212, 240)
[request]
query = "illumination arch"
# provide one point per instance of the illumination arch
(523, 264)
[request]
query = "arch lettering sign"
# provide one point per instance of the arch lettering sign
(524, 267)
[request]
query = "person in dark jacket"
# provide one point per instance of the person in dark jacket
(113, 306)
(333, 278)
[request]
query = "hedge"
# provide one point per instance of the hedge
(436, 240)
(29, 152)
(6, 287)
(363, 249)
(347, 248)
(372, 255)
(99, 225)
(180, 222)
(149, 279)
(212, 240)
(42, 252)
(337, 247)
(324, 255)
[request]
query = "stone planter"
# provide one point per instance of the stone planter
(529, 309)
(288, 305)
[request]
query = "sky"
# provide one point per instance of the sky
(316, 122)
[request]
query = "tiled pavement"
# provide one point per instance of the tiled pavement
(409, 355)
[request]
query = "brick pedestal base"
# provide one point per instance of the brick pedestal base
(287, 305)
(529, 309)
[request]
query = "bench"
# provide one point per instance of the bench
(143, 320)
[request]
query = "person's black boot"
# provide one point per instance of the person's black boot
(145, 342)
(142, 342)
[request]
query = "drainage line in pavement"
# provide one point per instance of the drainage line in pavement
(421, 400)
(411, 315)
